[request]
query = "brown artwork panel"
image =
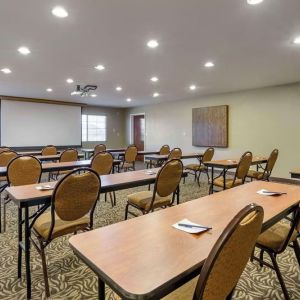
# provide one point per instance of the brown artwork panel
(210, 126)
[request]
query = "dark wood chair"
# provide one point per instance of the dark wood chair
(163, 194)
(275, 241)
(72, 207)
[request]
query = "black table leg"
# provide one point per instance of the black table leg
(27, 252)
(212, 180)
(19, 242)
(101, 289)
(224, 178)
(177, 194)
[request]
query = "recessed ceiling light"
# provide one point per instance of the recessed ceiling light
(254, 2)
(297, 40)
(152, 44)
(155, 95)
(24, 50)
(59, 12)
(69, 80)
(100, 67)
(209, 64)
(93, 95)
(128, 99)
(192, 87)
(118, 88)
(49, 90)
(154, 79)
(6, 70)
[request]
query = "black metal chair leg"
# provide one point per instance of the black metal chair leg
(297, 250)
(261, 257)
(279, 276)
(45, 273)
(126, 211)
(27, 253)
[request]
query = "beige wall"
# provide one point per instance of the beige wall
(115, 125)
(259, 120)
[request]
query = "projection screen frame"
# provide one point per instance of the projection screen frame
(39, 101)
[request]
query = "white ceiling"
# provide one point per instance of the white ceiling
(250, 45)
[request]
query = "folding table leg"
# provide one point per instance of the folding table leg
(101, 289)
(27, 253)
(19, 242)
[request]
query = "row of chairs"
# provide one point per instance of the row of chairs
(243, 171)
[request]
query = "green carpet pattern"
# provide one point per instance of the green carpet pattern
(71, 279)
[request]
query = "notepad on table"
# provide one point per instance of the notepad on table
(270, 193)
(190, 227)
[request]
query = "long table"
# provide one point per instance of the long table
(227, 164)
(295, 173)
(53, 157)
(63, 166)
(161, 158)
(118, 151)
(28, 196)
(146, 258)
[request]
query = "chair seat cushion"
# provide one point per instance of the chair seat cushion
(228, 182)
(275, 236)
(3, 178)
(43, 223)
(127, 165)
(143, 200)
(195, 167)
(255, 174)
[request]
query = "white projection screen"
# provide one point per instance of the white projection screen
(30, 124)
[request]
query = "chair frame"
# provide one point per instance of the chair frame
(43, 243)
(197, 173)
(150, 163)
(124, 161)
(273, 253)
(266, 174)
(176, 148)
(151, 208)
(223, 173)
(2, 188)
(112, 195)
(221, 242)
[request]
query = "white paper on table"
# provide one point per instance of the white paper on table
(150, 172)
(45, 187)
(189, 229)
(269, 193)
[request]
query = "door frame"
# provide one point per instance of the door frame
(131, 138)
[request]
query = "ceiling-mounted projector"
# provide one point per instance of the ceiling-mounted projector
(84, 91)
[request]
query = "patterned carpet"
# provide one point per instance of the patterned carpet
(71, 279)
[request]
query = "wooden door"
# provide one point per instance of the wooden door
(139, 133)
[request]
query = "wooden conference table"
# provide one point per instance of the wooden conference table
(227, 164)
(28, 196)
(89, 151)
(63, 166)
(146, 258)
(161, 158)
(295, 173)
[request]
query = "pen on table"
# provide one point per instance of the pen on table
(193, 226)
(270, 192)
